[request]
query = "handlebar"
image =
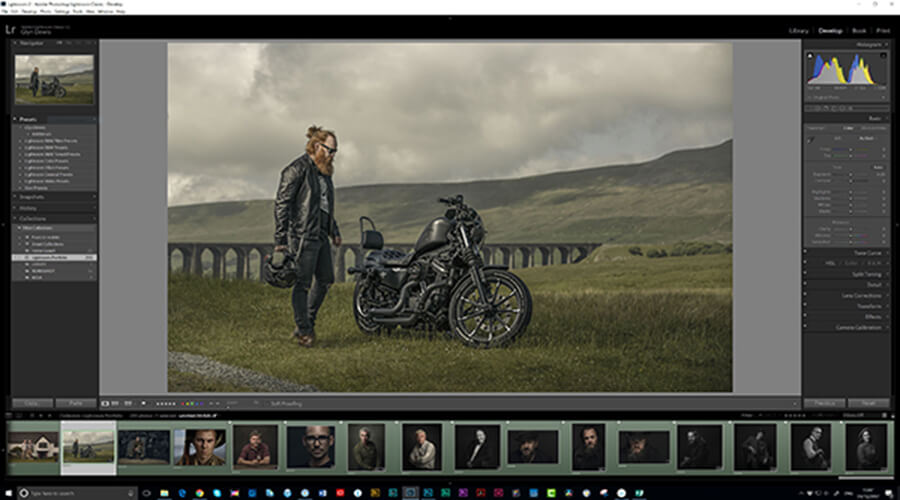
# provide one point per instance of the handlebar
(456, 200)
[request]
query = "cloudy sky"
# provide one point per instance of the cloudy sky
(52, 65)
(428, 112)
(87, 437)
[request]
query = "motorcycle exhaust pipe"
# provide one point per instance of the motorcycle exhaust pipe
(399, 305)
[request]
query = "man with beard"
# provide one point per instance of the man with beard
(423, 454)
(318, 441)
(812, 452)
(478, 454)
(365, 453)
(136, 449)
(255, 452)
(529, 450)
(756, 452)
(35, 82)
(304, 218)
(696, 453)
(640, 450)
(589, 456)
(205, 442)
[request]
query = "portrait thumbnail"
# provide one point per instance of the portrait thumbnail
(54, 79)
(643, 447)
(140, 447)
(366, 447)
(88, 446)
(866, 447)
(310, 446)
(32, 447)
(477, 447)
(255, 447)
(422, 447)
(811, 447)
(200, 447)
(699, 446)
(588, 446)
(533, 447)
(755, 447)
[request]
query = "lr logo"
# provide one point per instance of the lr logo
(10, 29)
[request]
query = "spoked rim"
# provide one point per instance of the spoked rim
(491, 320)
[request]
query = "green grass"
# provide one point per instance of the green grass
(80, 94)
(630, 325)
(105, 454)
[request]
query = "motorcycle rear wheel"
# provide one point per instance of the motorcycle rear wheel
(365, 297)
(496, 320)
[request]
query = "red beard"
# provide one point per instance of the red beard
(324, 162)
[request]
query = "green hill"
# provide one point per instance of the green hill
(681, 196)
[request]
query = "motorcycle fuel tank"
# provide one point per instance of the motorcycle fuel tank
(434, 235)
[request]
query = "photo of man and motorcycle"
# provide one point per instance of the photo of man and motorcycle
(469, 217)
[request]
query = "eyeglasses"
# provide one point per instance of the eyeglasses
(312, 439)
(331, 151)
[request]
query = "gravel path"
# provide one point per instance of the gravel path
(201, 365)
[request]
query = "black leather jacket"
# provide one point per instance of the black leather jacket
(297, 212)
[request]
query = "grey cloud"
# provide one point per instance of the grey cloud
(420, 112)
(52, 65)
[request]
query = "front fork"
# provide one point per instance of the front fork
(473, 260)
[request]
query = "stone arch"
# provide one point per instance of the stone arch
(178, 260)
(546, 255)
(253, 264)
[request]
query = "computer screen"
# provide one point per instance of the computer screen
(427, 257)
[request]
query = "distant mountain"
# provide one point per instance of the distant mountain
(683, 195)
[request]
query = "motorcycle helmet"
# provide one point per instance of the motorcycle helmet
(279, 270)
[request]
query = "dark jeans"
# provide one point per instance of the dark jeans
(313, 259)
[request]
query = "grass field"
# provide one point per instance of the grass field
(105, 454)
(630, 324)
(80, 94)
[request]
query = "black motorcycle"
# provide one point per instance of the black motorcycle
(442, 285)
(54, 88)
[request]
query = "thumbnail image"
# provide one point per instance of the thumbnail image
(255, 446)
(477, 446)
(643, 447)
(755, 447)
(311, 446)
(533, 447)
(610, 207)
(200, 447)
(811, 447)
(866, 447)
(588, 446)
(54, 79)
(422, 447)
(699, 446)
(32, 447)
(88, 446)
(140, 447)
(366, 447)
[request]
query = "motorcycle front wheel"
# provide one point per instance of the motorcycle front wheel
(496, 319)
(60, 93)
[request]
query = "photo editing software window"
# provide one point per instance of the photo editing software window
(424, 258)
